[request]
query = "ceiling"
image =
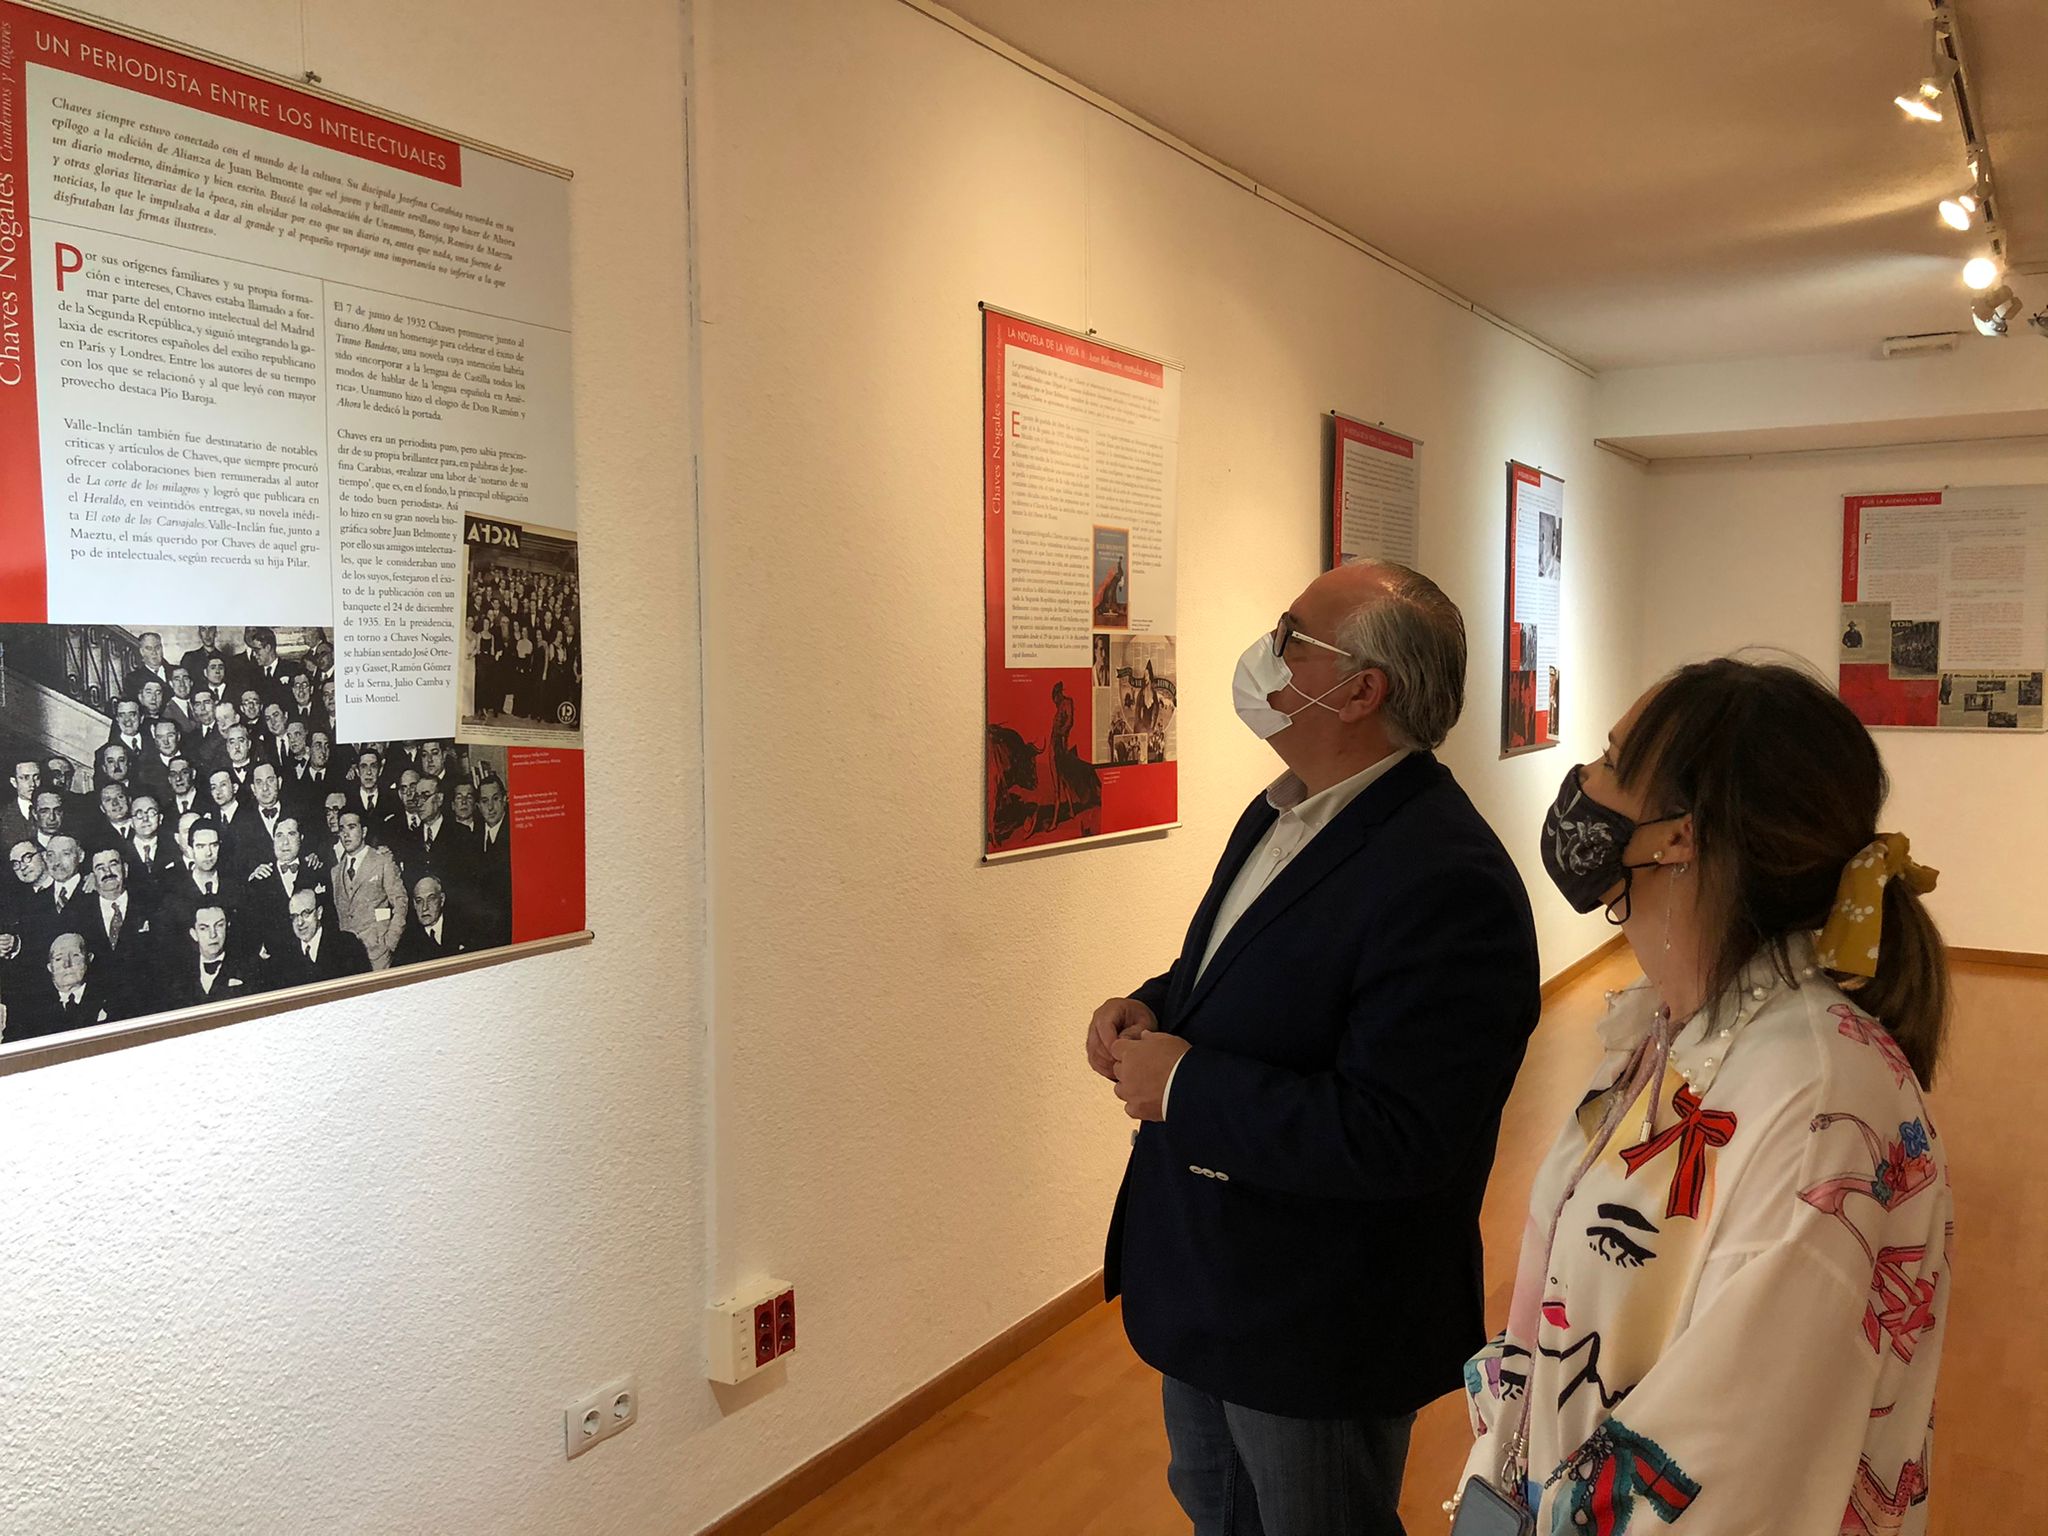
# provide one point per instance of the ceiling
(1635, 184)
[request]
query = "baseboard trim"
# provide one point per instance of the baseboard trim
(836, 1462)
(2020, 957)
(1578, 968)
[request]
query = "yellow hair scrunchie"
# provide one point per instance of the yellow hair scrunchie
(1855, 930)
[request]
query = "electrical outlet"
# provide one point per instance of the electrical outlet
(601, 1415)
(750, 1331)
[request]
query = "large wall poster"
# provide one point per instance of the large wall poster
(1535, 577)
(1944, 621)
(292, 681)
(1081, 444)
(1375, 493)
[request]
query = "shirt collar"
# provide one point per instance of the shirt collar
(1701, 1047)
(1289, 796)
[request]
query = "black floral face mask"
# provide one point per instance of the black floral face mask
(1583, 843)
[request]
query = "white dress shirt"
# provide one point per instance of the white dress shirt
(1302, 816)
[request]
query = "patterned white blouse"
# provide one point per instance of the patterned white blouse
(1736, 1322)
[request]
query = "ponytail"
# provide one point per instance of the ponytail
(1909, 995)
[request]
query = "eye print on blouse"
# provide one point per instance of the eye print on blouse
(1616, 1246)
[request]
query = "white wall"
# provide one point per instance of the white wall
(903, 1122)
(339, 1270)
(1751, 554)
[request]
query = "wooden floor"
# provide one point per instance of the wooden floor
(1067, 1442)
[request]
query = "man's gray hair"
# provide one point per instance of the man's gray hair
(1414, 634)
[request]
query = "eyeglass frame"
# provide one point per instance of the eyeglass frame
(1285, 633)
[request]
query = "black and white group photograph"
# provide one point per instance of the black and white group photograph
(521, 675)
(182, 827)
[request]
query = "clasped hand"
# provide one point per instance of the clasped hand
(1125, 1046)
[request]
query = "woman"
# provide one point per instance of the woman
(1736, 1273)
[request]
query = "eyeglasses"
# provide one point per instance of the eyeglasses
(1287, 631)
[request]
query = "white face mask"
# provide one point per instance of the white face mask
(1260, 673)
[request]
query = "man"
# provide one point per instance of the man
(273, 884)
(151, 697)
(462, 810)
(261, 672)
(207, 652)
(314, 952)
(443, 847)
(1320, 1077)
(29, 918)
(213, 677)
(73, 998)
(213, 749)
(66, 858)
(182, 791)
(116, 819)
(335, 803)
(241, 753)
(203, 969)
(167, 742)
(402, 833)
(320, 766)
(127, 727)
(243, 845)
(52, 812)
(378, 808)
(115, 923)
(433, 934)
(493, 866)
(153, 856)
(273, 746)
(178, 706)
(266, 791)
(249, 710)
(302, 787)
(305, 707)
(18, 811)
(369, 896)
(151, 667)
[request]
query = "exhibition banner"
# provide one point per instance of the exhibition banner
(291, 686)
(1535, 572)
(1944, 619)
(1081, 451)
(1375, 493)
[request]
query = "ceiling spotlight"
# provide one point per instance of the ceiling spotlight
(1921, 104)
(1956, 212)
(1993, 310)
(1980, 272)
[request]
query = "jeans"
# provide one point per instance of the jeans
(1239, 1472)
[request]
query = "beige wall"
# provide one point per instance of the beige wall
(902, 1119)
(1751, 554)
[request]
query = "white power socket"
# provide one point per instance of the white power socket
(601, 1415)
(751, 1331)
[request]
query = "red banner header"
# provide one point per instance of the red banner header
(1077, 349)
(1374, 437)
(1528, 476)
(92, 54)
(1899, 499)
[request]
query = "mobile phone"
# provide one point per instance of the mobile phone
(1483, 1511)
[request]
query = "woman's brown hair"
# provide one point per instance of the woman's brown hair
(1784, 786)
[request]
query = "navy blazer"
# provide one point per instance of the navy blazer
(1301, 1234)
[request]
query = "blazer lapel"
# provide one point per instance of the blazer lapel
(1251, 826)
(1343, 837)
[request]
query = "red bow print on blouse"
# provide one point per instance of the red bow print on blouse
(1697, 1129)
